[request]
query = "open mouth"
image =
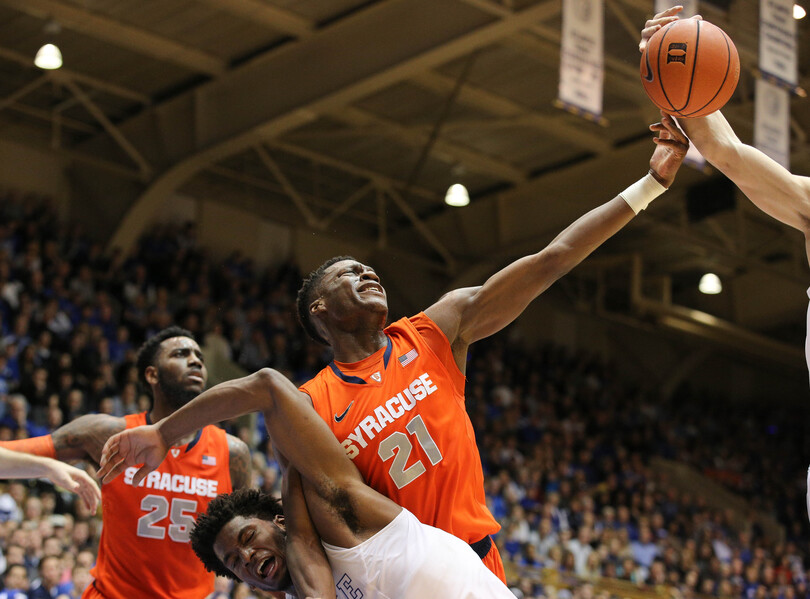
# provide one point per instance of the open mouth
(267, 567)
(373, 288)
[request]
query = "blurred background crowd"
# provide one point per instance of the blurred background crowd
(602, 488)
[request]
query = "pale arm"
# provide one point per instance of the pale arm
(771, 187)
(14, 464)
(467, 315)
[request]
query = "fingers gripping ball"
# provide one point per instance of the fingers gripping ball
(690, 68)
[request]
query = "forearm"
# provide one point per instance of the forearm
(309, 567)
(771, 187)
(14, 464)
(222, 402)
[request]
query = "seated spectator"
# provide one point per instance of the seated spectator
(15, 583)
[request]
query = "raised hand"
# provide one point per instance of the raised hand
(141, 446)
(671, 147)
(662, 18)
(74, 480)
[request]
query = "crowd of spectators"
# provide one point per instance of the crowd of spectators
(565, 444)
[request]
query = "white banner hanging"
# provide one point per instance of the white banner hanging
(772, 121)
(582, 58)
(777, 42)
(690, 7)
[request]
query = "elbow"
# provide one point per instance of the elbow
(263, 385)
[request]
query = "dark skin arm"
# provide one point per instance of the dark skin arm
(469, 314)
(239, 466)
(309, 566)
(85, 437)
(333, 487)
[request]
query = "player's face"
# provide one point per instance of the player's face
(349, 285)
(253, 549)
(181, 370)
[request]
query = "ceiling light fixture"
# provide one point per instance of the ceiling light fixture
(457, 195)
(710, 284)
(49, 56)
(798, 12)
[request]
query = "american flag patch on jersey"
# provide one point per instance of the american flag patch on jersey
(209, 460)
(406, 359)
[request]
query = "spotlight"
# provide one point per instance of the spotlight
(798, 12)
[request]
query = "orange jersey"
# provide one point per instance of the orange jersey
(144, 550)
(400, 416)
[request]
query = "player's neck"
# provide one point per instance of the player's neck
(353, 347)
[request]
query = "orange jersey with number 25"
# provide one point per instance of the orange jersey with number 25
(145, 550)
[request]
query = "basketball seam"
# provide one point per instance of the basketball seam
(725, 77)
(658, 69)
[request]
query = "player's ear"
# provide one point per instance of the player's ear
(317, 306)
(151, 375)
(278, 520)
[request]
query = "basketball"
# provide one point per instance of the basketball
(690, 68)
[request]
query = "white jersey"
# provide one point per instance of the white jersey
(411, 560)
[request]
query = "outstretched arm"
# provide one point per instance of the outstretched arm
(294, 427)
(79, 439)
(770, 186)
(14, 464)
(467, 315)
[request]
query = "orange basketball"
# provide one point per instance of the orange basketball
(690, 68)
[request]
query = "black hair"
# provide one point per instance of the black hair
(305, 297)
(248, 503)
(149, 350)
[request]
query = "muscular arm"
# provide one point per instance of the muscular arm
(80, 439)
(771, 187)
(239, 463)
(309, 567)
(467, 315)
(294, 427)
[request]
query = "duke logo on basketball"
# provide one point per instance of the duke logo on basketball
(676, 52)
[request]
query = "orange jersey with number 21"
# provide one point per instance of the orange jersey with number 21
(400, 416)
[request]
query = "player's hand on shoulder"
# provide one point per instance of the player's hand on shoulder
(665, 17)
(132, 447)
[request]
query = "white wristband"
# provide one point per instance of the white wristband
(639, 195)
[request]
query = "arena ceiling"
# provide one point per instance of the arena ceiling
(353, 116)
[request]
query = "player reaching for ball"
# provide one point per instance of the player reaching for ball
(770, 186)
(394, 397)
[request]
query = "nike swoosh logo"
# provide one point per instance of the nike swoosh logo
(343, 415)
(649, 75)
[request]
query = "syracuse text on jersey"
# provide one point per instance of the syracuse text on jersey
(383, 415)
(175, 483)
